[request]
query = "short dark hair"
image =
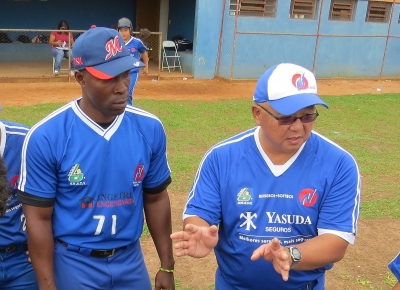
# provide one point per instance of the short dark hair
(4, 189)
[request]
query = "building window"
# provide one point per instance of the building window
(342, 10)
(378, 11)
(266, 8)
(303, 9)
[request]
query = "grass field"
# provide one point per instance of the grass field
(365, 125)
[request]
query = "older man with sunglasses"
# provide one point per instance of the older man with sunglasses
(279, 191)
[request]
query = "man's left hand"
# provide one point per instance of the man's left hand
(277, 255)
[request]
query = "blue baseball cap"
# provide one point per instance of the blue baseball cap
(287, 88)
(102, 52)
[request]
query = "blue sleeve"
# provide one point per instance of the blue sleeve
(204, 199)
(159, 170)
(142, 48)
(340, 209)
(38, 166)
(394, 266)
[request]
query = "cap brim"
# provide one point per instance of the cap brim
(394, 266)
(111, 69)
(292, 104)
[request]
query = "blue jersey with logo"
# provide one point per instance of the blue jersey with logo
(253, 201)
(97, 176)
(135, 45)
(12, 225)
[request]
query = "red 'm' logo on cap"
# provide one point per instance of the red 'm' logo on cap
(112, 46)
(78, 61)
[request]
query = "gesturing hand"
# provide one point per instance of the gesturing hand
(277, 255)
(195, 241)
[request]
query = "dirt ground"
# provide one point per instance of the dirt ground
(365, 263)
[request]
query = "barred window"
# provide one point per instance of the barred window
(342, 10)
(265, 8)
(378, 11)
(303, 9)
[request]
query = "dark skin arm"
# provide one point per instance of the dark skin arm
(157, 210)
(39, 229)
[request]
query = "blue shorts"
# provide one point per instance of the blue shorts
(134, 77)
(16, 272)
(75, 269)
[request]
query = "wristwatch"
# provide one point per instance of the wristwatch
(296, 256)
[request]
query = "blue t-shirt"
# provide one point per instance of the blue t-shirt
(238, 188)
(135, 45)
(12, 224)
(97, 176)
(394, 266)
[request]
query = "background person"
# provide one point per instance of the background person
(84, 198)
(394, 266)
(279, 191)
(59, 42)
(135, 46)
(16, 272)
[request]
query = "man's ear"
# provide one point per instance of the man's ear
(80, 77)
(256, 113)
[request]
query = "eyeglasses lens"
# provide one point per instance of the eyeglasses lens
(288, 120)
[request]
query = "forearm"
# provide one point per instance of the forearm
(41, 249)
(320, 251)
(195, 220)
(146, 58)
(158, 219)
(397, 286)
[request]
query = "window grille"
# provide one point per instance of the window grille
(303, 9)
(342, 10)
(265, 8)
(378, 11)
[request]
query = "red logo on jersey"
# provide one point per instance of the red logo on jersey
(86, 202)
(14, 182)
(300, 82)
(139, 172)
(133, 49)
(78, 61)
(308, 197)
(113, 47)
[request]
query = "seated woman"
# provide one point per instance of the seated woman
(59, 42)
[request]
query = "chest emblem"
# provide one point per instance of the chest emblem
(75, 176)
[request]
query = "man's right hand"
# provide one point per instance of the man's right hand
(195, 241)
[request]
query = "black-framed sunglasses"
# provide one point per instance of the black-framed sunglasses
(289, 120)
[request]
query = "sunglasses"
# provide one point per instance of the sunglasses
(289, 120)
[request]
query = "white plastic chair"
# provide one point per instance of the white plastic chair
(54, 63)
(172, 56)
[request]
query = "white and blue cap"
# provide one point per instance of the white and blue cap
(102, 52)
(287, 88)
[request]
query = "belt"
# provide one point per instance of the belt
(98, 253)
(13, 248)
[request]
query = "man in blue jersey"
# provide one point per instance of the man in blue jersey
(279, 191)
(135, 46)
(15, 270)
(91, 170)
(394, 266)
